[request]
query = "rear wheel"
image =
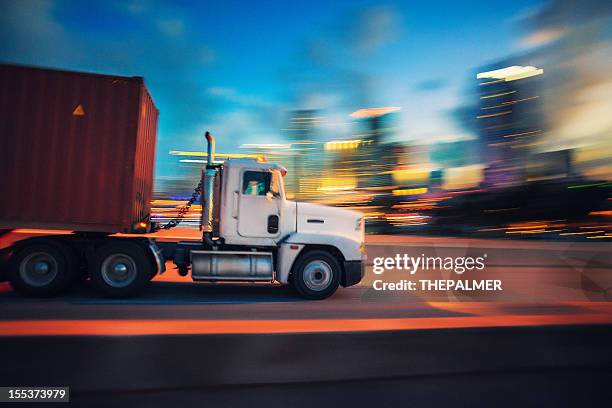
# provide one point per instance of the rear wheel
(42, 269)
(316, 275)
(120, 269)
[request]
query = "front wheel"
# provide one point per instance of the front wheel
(316, 275)
(120, 269)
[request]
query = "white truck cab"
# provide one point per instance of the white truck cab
(251, 232)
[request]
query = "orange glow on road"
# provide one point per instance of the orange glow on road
(161, 327)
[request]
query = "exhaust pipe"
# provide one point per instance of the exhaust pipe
(210, 149)
(209, 174)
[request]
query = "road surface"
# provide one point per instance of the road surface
(543, 283)
(545, 339)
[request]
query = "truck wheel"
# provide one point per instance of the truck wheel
(316, 275)
(120, 269)
(42, 269)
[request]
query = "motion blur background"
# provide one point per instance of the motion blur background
(446, 118)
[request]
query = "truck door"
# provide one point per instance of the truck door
(259, 206)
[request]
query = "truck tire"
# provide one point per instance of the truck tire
(120, 269)
(42, 269)
(316, 275)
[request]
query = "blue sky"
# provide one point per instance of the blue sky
(238, 67)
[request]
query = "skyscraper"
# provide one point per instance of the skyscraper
(303, 181)
(374, 158)
(510, 120)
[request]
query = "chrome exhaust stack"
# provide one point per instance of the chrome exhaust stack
(210, 150)
(209, 175)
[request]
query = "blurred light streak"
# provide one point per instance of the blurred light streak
(343, 144)
(217, 155)
(582, 233)
(494, 114)
(607, 213)
(266, 146)
(410, 191)
(497, 94)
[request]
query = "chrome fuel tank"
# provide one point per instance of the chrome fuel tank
(231, 265)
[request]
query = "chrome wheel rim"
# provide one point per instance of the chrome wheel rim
(317, 275)
(38, 269)
(119, 270)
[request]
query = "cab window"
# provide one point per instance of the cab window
(256, 183)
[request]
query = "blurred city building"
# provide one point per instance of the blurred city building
(304, 169)
(572, 41)
(510, 120)
(375, 159)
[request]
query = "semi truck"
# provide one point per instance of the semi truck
(77, 155)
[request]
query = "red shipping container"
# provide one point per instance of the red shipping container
(77, 150)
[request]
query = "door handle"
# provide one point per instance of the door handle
(235, 205)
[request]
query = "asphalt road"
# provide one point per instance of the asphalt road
(543, 283)
(544, 340)
(568, 365)
(559, 388)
